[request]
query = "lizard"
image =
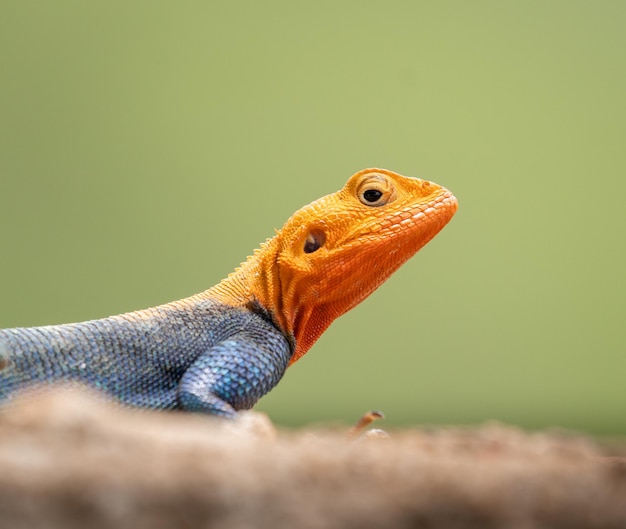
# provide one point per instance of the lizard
(221, 350)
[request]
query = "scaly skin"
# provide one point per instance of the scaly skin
(221, 350)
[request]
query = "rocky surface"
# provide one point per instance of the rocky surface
(69, 461)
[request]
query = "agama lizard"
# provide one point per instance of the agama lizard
(221, 350)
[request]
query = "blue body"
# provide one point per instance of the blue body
(199, 355)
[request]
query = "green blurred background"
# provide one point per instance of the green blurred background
(147, 147)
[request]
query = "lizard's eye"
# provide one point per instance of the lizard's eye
(375, 191)
(372, 195)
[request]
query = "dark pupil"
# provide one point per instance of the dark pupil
(372, 195)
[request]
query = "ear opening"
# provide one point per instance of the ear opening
(314, 241)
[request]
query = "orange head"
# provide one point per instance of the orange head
(333, 253)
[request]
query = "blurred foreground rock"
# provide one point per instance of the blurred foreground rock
(70, 461)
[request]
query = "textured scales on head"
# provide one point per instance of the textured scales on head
(330, 255)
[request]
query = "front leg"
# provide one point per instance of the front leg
(234, 374)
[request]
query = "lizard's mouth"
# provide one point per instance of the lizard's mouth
(426, 216)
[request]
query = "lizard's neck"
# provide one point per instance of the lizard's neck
(256, 281)
(259, 282)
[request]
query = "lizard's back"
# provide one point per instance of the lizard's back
(138, 358)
